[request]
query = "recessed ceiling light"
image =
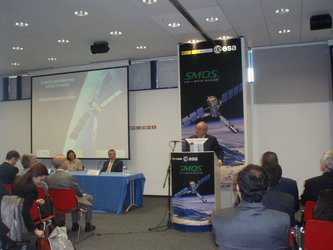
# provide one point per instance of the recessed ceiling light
(63, 41)
(193, 41)
(116, 33)
(224, 37)
(52, 59)
(149, 2)
(15, 64)
(141, 47)
(212, 19)
(21, 24)
(17, 48)
(81, 13)
(282, 11)
(174, 25)
(284, 31)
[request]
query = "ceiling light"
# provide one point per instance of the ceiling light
(174, 25)
(224, 37)
(15, 64)
(282, 11)
(193, 41)
(141, 47)
(149, 2)
(17, 48)
(284, 31)
(21, 24)
(116, 33)
(63, 41)
(81, 13)
(52, 59)
(212, 19)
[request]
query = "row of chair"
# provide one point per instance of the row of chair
(64, 202)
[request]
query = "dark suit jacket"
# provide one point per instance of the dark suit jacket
(250, 226)
(210, 145)
(61, 179)
(7, 173)
(117, 166)
(288, 186)
(313, 186)
(279, 201)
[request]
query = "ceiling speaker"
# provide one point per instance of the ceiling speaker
(99, 47)
(320, 22)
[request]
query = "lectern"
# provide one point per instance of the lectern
(196, 191)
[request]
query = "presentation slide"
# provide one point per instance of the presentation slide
(83, 111)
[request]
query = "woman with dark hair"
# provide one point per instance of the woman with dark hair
(25, 186)
(323, 209)
(74, 164)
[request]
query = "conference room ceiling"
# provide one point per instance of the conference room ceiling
(142, 25)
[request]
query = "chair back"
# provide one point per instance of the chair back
(308, 210)
(41, 192)
(318, 235)
(64, 200)
(9, 188)
(36, 216)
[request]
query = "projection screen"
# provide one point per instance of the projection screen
(83, 111)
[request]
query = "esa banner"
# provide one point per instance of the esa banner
(211, 89)
(193, 195)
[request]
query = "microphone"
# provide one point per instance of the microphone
(99, 163)
(177, 141)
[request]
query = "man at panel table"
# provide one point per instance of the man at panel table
(113, 164)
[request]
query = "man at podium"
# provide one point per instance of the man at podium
(210, 145)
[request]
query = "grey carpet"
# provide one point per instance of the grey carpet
(131, 231)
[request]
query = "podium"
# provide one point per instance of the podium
(196, 191)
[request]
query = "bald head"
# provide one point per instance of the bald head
(60, 162)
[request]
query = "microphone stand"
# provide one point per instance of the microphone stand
(167, 178)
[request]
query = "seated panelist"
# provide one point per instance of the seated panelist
(74, 164)
(113, 164)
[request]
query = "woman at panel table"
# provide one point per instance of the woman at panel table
(74, 164)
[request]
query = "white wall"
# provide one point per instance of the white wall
(292, 107)
(15, 127)
(298, 132)
(150, 148)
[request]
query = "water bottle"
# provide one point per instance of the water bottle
(124, 170)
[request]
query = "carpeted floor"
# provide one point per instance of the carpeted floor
(131, 231)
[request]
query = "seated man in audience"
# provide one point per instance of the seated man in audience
(323, 210)
(8, 170)
(28, 161)
(62, 179)
(113, 164)
(285, 185)
(274, 199)
(250, 225)
(313, 186)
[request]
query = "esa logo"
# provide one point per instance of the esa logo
(187, 159)
(218, 48)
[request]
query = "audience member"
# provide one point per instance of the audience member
(250, 225)
(25, 186)
(113, 164)
(74, 164)
(28, 161)
(313, 186)
(60, 180)
(274, 199)
(211, 144)
(323, 209)
(8, 170)
(285, 185)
